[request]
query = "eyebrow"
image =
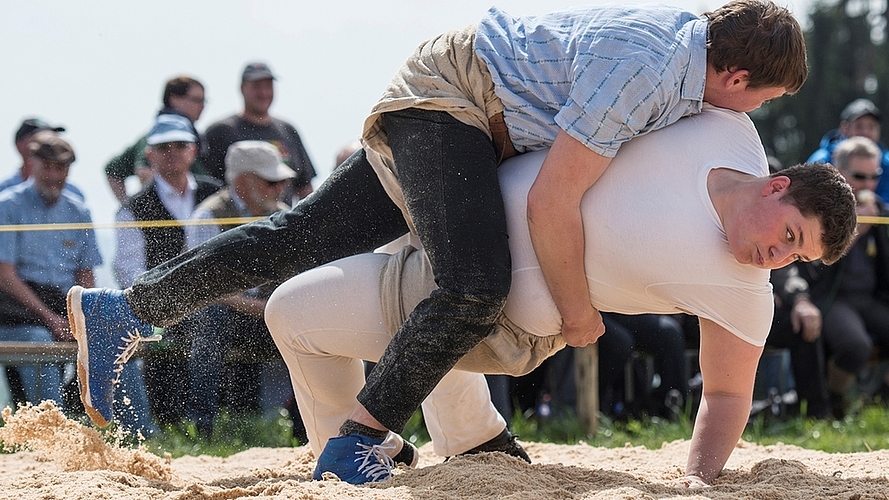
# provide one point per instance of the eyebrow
(801, 241)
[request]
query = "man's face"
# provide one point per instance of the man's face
(863, 126)
(191, 104)
(260, 196)
(49, 178)
(862, 172)
(171, 159)
(258, 96)
(772, 234)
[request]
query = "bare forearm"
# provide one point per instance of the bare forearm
(556, 226)
(557, 236)
(718, 427)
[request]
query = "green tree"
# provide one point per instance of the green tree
(848, 58)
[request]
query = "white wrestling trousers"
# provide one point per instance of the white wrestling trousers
(326, 321)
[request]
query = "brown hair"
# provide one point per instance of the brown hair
(819, 190)
(178, 86)
(760, 37)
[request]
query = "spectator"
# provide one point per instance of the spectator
(23, 137)
(254, 123)
(852, 294)
(183, 96)
(36, 267)
(860, 118)
(171, 194)
(256, 178)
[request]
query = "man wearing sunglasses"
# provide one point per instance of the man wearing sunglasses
(255, 180)
(860, 118)
(171, 194)
(853, 294)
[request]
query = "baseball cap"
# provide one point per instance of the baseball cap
(256, 71)
(171, 128)
(49, 146)
(258, 157)
(31, 126)
(858, 108)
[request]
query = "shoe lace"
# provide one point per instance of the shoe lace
(375, 464)
(130, 344)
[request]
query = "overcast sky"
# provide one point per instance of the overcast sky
(97, 67)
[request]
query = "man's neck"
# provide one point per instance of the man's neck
(256, 118)
(179, 182)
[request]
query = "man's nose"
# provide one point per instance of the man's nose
(781, 255)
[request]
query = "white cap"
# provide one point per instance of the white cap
(171, 128)
(258, 157)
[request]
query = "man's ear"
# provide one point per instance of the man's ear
(736, 80)
(776, 185)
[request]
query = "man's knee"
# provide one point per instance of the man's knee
(852, 356)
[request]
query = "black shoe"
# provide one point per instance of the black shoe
(505, 442)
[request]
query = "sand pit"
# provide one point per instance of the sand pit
(66, 460)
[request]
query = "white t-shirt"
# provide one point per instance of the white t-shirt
(654, 242)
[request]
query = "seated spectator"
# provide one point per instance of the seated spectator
(23, 137)
(171, 194)
(860, 118)
(37, 267)
(853, 294)
(183, 96)
(255, 178)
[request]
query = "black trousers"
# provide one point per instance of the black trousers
(448, 172)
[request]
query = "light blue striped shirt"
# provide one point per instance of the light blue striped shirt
(46, 257)
(604, 74)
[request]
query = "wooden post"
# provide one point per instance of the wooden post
(586, 373)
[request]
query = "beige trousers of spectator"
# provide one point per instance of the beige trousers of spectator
(327, 320)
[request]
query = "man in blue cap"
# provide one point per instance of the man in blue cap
(860, 118)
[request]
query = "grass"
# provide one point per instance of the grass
(867, 430)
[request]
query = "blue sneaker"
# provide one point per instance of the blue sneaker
(355, 459)
(107, 334)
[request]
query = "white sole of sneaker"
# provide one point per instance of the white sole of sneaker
(77, 322)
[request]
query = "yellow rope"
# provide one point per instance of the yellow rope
(133, 224)
(863, 219)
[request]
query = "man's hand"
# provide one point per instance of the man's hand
(690, 482)
(586, 332)
(59, 328)
(805, 318)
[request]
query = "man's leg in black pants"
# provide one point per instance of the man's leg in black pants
(807, 362)
(448, 172)
(349, 214)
